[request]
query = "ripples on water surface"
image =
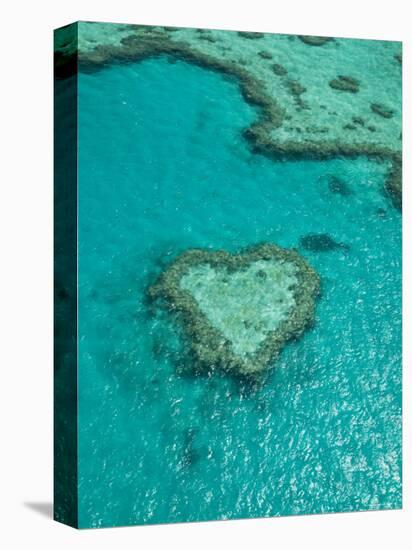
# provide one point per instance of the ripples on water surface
(163, 167)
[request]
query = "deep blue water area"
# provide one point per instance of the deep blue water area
(163, 167)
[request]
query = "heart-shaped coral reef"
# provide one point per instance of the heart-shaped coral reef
(239, 310)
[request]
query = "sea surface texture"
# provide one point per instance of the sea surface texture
(163, 168)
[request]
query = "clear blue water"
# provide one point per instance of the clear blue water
(162, 168)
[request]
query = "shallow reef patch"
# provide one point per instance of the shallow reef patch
(345, 84)
(239, 310)
(382, 110)
(314, 40)
(279, 70)
(321, 242)
(265, 55)
(296, 89)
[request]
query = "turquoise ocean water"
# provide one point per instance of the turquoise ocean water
(163, 167)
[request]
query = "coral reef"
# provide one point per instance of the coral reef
(314, 40)
(239, 310)
(279, 70)
(265, 55)
(251, 35)
(138, 47)
(296, 89)
(381, 110)
(358, 120)
(207, 37)
(345, 84)
(263, 144)
(134, 43)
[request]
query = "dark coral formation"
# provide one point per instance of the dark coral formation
(296, 90)
(251, 35)
(321, 242)
(345, 84)
(209, 346)
(381, 110)
(279, 70)
(207, 37)
(314, 40)
(265, 55)
(358, 120)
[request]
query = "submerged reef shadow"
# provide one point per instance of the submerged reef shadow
(337, 186)
(321, 242)
(192, 451)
